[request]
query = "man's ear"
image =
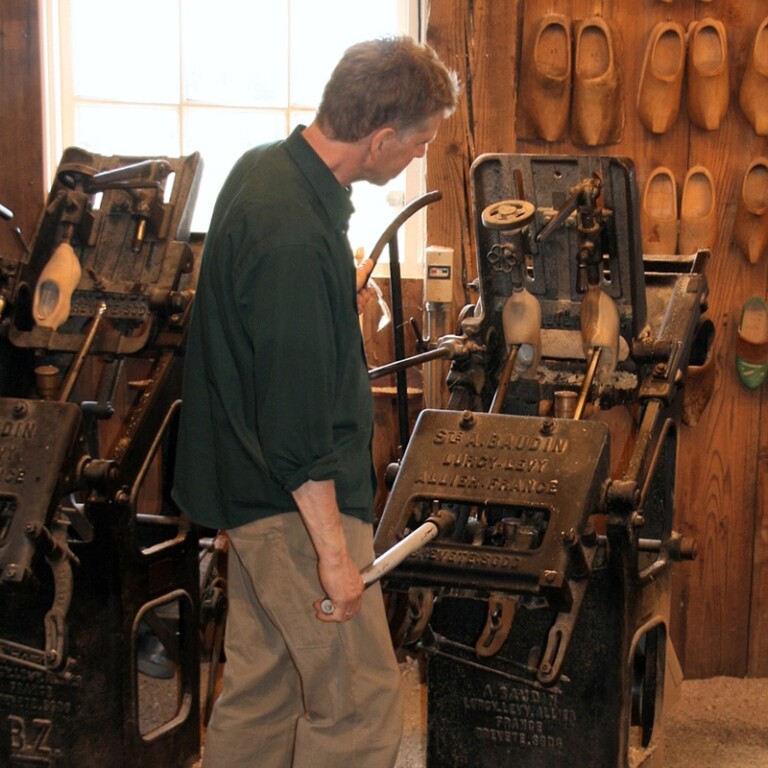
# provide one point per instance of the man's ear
(381, 137)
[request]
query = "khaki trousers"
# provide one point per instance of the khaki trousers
(297, 692)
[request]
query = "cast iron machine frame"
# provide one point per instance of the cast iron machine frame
(95, 559)
(541, 596)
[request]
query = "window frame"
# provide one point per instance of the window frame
(59, 104)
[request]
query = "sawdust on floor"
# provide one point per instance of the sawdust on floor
(716, 723)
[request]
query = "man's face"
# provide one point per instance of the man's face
(390, 157)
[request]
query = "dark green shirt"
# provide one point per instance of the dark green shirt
(276, 389)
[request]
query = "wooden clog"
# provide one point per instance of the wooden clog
(545, 78)
(707, 73)
(661, 80)
(753, 94)
(700, 374)
(597, 113)
(752, 343)
(698, 211)
(750, 224)
(658, 213)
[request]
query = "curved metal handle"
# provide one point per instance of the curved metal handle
(412, 207)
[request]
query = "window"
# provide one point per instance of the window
(171, 77)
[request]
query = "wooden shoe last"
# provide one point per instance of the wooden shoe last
(753, 94)
(658, 213)
(707, 73)
(57, 282)
(545, 78)
(661, 81)
(698, 211)
(521, 319)
(597, 115)
(750, 225)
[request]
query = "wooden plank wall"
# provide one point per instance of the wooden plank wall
(720, 624)
(21, 124)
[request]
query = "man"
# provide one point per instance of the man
(276, 424)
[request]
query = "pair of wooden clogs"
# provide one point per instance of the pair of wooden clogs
(579, 88)
(701, 55)
(696, 227)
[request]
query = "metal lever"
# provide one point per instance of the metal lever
(136, 178)
(74, 371)
(551, 664)
(391, 231)
(449, 347)
(442, 520)
(146, 174)
(60, 558)
(583, 195)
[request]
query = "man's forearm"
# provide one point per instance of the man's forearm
(339, 576)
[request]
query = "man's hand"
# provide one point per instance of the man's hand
(365, 291)
(343, 586)
(339, 576)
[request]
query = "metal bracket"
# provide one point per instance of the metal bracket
(559, 638)
(420, 604)
(501, 614)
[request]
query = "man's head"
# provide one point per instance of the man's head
(390, 82)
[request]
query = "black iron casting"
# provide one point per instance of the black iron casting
(544, 609)
(99, 576)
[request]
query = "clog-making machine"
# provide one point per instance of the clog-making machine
(528, 537)
(99, 574)
(527, 541)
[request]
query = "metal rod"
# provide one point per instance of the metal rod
(587, 383)
(404, 548)
(24, 243)
(398, 338)
(408, 362)
(501, 391)
(74, 370)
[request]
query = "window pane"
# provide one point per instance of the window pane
(375, 208)
(180, 76)
(237, 55)
(132, 55)
(221, 136)
(327, 29)
(125, 129)
(301, 117)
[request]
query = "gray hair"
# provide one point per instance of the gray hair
(390, 81)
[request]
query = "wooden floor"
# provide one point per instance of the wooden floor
(716, 723)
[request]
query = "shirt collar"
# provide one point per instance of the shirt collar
(335, 198)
